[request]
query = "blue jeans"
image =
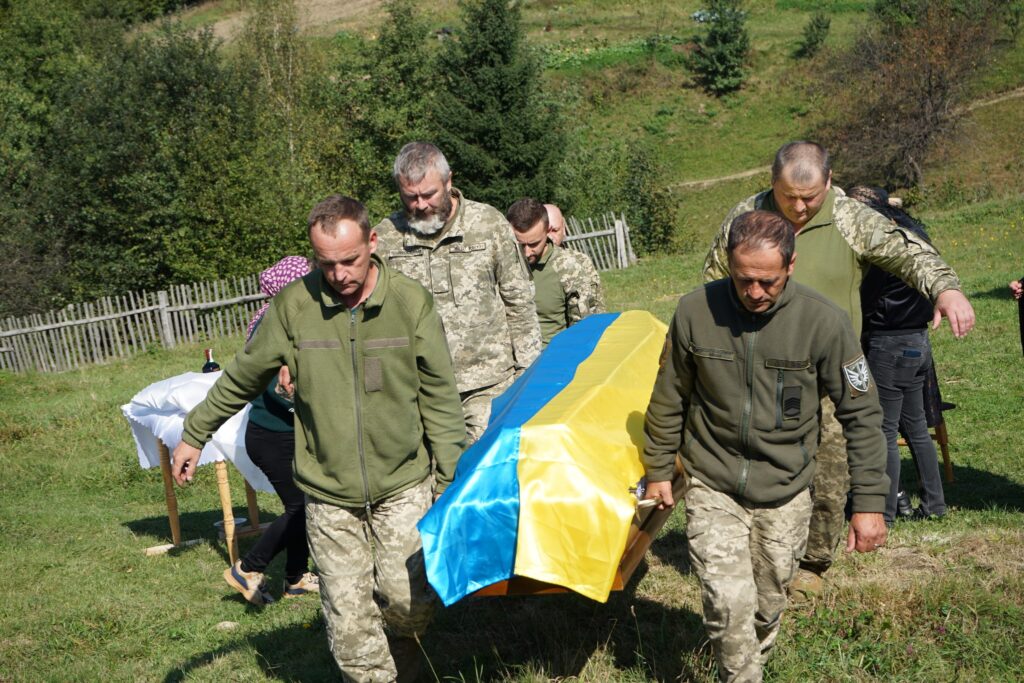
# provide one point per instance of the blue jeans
(899, 363)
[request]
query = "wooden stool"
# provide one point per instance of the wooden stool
(230, 534)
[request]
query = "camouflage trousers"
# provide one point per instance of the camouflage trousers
(828, 491)
(372, 577)
(745, 556)
(476, 407)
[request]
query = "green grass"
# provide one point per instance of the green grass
(944, 600)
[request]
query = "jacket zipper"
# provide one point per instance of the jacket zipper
(748, 406)
(359, 416)
(778, 400)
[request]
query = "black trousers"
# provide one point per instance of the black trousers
(274, 452)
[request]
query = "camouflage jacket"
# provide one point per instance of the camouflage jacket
(737, 394)
(838, 245)
(481, 285)
(568, 289)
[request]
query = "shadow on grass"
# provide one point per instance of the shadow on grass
(194, 525)
(293, 653)
(997, 293)
(973, 489)
(553, 636)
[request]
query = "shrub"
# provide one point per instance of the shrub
(815, 33)
(900, 89)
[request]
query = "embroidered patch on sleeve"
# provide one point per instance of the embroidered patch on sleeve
(857, 376)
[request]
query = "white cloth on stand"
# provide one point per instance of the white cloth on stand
(157, 413)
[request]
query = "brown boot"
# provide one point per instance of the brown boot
(408, 662)
(805, 586)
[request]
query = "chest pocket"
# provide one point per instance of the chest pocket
(712, 353)
(373, 365)
(788, 394)
(412, 264)
(472, 279)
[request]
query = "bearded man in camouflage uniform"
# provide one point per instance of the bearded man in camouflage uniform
(376, 412)
(745, 362)
(567, 284)
(838, 238)
(464, 253)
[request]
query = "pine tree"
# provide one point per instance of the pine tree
(721, 50)
(502, 138)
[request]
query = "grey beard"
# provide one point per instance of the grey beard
(428, 227)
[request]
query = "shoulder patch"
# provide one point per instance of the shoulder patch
(857, 376)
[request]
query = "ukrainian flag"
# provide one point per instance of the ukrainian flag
(545, 492)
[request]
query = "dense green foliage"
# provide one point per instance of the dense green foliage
(501, 135)
(722, 48)
(138, 159)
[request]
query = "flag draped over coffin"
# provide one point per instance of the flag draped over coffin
(545, 491)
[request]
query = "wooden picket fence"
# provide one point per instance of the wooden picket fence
(121, 326)
(605, 241)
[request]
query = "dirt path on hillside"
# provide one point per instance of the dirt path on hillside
(312, 15)
(708, 182)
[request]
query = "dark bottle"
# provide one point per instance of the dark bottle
(210, 365)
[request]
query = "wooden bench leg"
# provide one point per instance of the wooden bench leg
(224, 489)
(169, 495)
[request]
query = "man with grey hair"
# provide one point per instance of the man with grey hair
(464, 253)
(837, 239)
(746, 361)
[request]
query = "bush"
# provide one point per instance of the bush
(901, 88)
(815, 33)
(721, 50)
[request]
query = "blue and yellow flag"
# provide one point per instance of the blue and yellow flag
(545, 492)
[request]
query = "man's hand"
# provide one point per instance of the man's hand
(954, 305)
(662, 489)
(184, 462)
(867, 532)
(1017, 288)
(285, 386)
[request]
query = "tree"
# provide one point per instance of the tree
(815, 33)
(503, 138)
(720, 51)
(387, 99)
(902, 87)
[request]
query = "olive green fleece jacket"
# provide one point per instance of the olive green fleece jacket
(375, 396)
(737, 395)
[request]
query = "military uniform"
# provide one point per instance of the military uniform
(834, 250)
(374, 387)
(737, 395)
(568, 289)
(481, 286)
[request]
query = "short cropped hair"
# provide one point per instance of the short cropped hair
(327, 214)
(525, 213)
(762, 230)
(416, 158)
(802, 160)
